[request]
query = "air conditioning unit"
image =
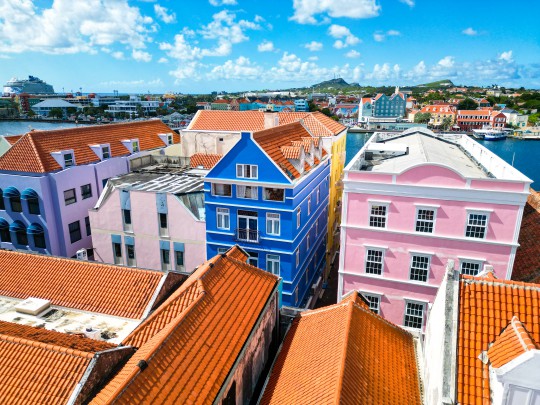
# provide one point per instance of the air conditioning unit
(82, 254)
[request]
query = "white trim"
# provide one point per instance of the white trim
(425, 208)
(426, 255)
(424, 312)
(250, 170)
(474, 261)
(241, 181)
(379, 202)
(389, 279)
(366, 294)
(383, 254)
(477, 212)
(222, 233)
(511, 260)
(429, 235)
(386, 210)
(273, 220)
(420, 252)
(218, 195)
(368, 245)
(223, 214)
(247, 206)
(421, 205)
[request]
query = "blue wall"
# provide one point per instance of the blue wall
(311, 261)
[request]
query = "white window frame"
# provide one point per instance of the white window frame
(413, 255)
(318, 196)
(472, 261)
(222, 250)
(368, 295)
(241, 171)
(131, 262)
(423, 304)
(169, 139)
(309, 205)
(374, 248)
(297, 254)
(135, 146)
(273, 263)
(308, 244)
(212, 190)
(269, 199)
(477, 212)
(254, 192)
(298, 217)
(66, 160)
(434, 221)
(223, 213)
(117, 259)
(102, 147)
(378, 204)
(273, 217)
(165, 266)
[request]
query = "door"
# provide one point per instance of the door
(248, 226)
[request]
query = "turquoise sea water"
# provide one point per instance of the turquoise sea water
(526, 154)
(21, 127)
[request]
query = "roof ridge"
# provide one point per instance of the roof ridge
(371, 313)
(500, 283)
(30, 137)
(516, 325)
(344, 351)
(47, 346)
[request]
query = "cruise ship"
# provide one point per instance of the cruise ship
(32, 85)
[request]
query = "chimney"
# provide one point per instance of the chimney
(271, 119)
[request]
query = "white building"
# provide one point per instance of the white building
(515, 118)
(43, 108)
(131, 106)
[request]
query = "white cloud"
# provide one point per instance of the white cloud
(163, 15)
(141, 83)
(306, 10)
(506, 56)
(118, 55)
(410, 3)
(187, 70)
(163, 60)
(380, 36)
(345, 35)
(218, 3)
(266, 46)
(313, 58)
(469, 31)
(446, 62)
(241, 68)
(314, 46)
(141, 56)
(68, 27)
(352, 54)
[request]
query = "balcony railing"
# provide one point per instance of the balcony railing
(246, 235)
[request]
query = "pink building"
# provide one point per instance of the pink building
(152, 219)
(413, 201)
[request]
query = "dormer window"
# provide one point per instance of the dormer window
(68, 159)
(169, 139)
(135, 146)
(105, 152)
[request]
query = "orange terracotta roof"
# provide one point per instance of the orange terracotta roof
(344, 354)
(487, 305)
(11, 139)
(206, 160)
(527, 262)
(193, 339)
(87, 286)
(291, 152)
(474, 112)
(42, 367)
(32, 153)
(510, 344)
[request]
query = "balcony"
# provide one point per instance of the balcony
(246, 235)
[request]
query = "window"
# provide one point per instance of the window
(104, 182)
(126, 216)
(253, 258)
(22, 237)
(86, 191)
(469, 267)
(179, 259)
(2, 204)
(117, 253)
(33, 206)
(297, 257)
(222, 250)
(169, 139)
(130, 253)
(425, 220)
(377, 216)
(224, 190)
(5, 235)
(246, 171)
(309, 205)
(476, 225)
(298, 217)
(273, 194)
(135, 146)
(39, 240)
(223, 218)
(317, 228)
(272, 264)
(419, 268)
(272, 224)
(105, 152)
(296, 295)
(374, 261)
(70, 197)
(165, 259)
(75, 231)
(374, 302)
(87, 224)
(163, 225)
(15, 203)
(307, 241)
(414, 315)
(247, 192)
(318, 195)
(68, 159)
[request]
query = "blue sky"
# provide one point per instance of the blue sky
(205, 45)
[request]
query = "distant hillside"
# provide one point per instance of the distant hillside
(333, 83)
(437, 85)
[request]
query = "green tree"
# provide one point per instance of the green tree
(31, 113)
(467, 104)
(534, 118)
(422, 118)
(446, 123)
(56, 113)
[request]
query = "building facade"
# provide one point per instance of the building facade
(412, 202)
(439, 113)
(269, 194)
(389, 106)
(50, 179)
(467, 120)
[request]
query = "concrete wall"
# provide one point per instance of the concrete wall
(207, 142)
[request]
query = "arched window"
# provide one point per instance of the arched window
(32, 200)
(19, 229)
(2, 205)
(5, 236)
(14, 199)
(37, 232)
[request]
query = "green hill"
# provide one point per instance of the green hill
(437, 85)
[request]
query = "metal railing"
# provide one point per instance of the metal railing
(246, 235)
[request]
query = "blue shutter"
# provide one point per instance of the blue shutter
(125, 201)
(129, 240)
(116, 238)
(178, 247)
(165, 244)
(161, 203)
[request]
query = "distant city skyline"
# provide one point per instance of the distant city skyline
(234, 45)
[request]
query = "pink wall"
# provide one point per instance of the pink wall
(431, 175)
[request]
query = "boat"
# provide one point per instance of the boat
(32, 85)
(490, 134)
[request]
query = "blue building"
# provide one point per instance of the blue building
(269, 194)
(301, 105)
(393, 106)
